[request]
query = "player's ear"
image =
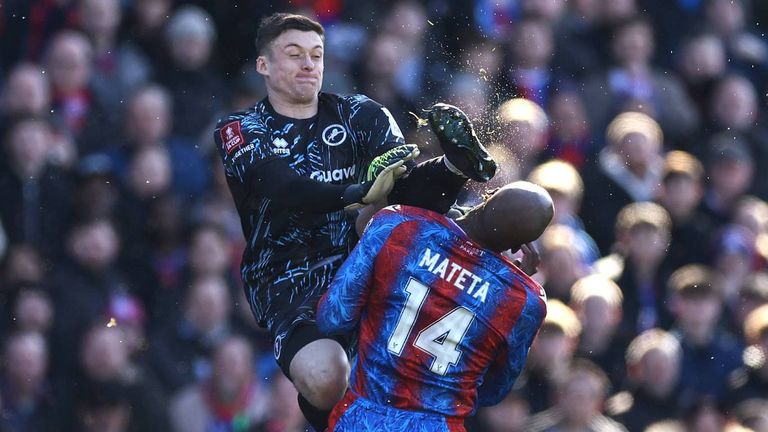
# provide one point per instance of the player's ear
(262, 65)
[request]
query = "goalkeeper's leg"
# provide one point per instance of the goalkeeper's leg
(430, 185)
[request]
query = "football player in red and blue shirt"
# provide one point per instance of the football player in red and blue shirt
(445, 321)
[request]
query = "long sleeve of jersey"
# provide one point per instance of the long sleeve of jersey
(503, 372)
(275, 180)
(249, 160)
(339, 309)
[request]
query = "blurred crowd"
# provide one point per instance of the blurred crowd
(120, 300)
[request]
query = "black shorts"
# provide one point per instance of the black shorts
(287, 306)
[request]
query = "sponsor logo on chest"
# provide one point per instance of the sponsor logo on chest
(334, 175)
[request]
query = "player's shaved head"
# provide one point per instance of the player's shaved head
(513, 215)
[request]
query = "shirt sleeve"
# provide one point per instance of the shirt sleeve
(509, 362)
(243, 145)
(251, 160)
(374, 126)
(339, 309)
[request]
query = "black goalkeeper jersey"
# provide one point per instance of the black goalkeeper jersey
(335, 146)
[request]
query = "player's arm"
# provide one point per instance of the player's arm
(510, 359)
(248, 158)
(339, 309)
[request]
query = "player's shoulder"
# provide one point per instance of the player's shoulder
(352, 102)
(405, 212)
(517, 279)
(245, 119)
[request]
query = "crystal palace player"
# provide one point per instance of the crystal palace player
(445, 321)
(293, 164)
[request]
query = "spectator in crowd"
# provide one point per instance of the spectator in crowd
(528, 72)
(35, 194)
(96, 195)
(23, 264)
(407, 22)
(731, 170)
(180, 351)
(566, 188)
(596, 300)
(642, 233)
(69, 65)
(627, 170)
(231, 399)
(118, 67)
(149, 124)
(751, 380)
(612, 15)
(704, 415)
(472, 94)
(701, 65)
(82, 286)
(198, 93)
(149, 176)
(653, 371)
(210, 252)
(735, 112)
(523, 134)
(25, 92)
(127, 311)
(509, 415)
(634, 83)
(33, 311)
(733, 261)
(284, 413)
(681, 192)
(104, 407)
(574, 57)
(550, 356)
(697, 304)
(747, 51)
(28, 404)
(752, 294)
(752, 414)
(570, 135)
(580, 397)
(164, 254)
(562, 263)
(673, 21)
(752, 213)
(377, 74)
(105, 362)
(145, 24)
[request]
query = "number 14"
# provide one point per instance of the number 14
(438, 339)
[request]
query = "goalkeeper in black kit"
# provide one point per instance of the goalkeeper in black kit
(298, 165)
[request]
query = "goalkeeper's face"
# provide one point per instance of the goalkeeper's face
(293, 66)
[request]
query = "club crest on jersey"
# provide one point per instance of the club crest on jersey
(334, 135)
(280, 147)
(231, 136)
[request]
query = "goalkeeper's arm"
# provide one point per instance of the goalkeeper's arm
(276, 180)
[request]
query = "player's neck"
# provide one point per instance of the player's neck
(293, 109)
(470, 224)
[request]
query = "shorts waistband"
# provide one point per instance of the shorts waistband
(350, 397)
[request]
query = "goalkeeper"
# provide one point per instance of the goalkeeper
(298, 164)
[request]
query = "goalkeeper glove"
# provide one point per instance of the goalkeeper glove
(380, 177)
